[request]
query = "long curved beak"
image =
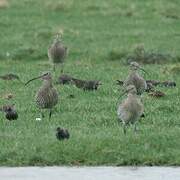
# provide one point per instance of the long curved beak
(32, 80)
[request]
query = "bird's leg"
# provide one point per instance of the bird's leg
(50, 113)
(62, 68)
(124, 128)
(42, 114)
(135, 128)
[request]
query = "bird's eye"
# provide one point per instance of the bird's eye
(46, 74)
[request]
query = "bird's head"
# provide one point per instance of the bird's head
(135, 66)
(58, 129)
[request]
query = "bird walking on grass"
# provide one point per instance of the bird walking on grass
(47, 95)
(57, 53)
(135, 79)
(131, 109)
(86, 85)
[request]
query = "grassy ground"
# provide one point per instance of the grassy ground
(99, 35)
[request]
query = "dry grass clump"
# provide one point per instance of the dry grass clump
(172, 13)
(141, 55)
(175, 69)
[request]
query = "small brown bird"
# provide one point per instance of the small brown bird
(135, 79)
(86, 85)
(64, 79)
(10, 111)
(62, 134)
(131, 109)
(47, 95)
(57, 52)
(157, 94)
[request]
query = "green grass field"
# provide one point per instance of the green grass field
(99, 34)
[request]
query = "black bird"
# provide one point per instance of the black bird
(62, 134)
(86, 85)
(10, 111)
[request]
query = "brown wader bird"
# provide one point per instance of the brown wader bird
(131, 109)
(135, 79)
(57, 53)
(47, 96)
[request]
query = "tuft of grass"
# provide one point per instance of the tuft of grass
(175, 69)
(139, 54)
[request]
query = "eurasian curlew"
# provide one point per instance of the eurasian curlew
(131, 109)
(135, 79)
(47, 95)
(57, 52)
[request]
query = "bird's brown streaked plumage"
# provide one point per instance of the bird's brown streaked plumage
(47, 95)
(131, 109)
(57, 52)
(135, 79)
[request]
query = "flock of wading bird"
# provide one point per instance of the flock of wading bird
(129, 111)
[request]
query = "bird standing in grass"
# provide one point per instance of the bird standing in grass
(131, 109)
(57, 52)
(135, 79)
(47, 96)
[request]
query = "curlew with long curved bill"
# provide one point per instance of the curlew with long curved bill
(47, 96)
(131, 109)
